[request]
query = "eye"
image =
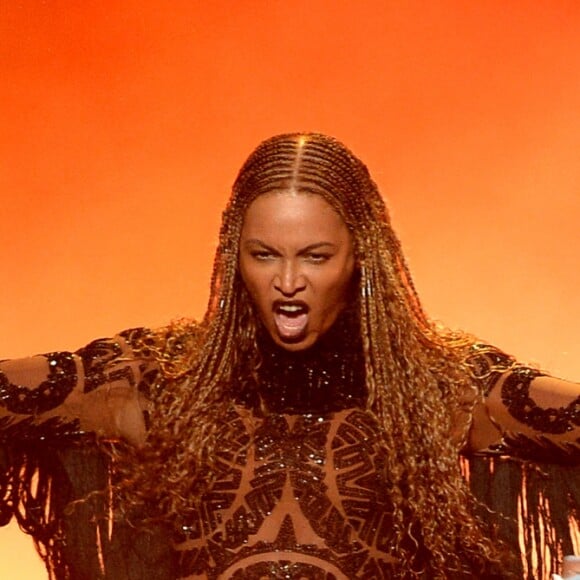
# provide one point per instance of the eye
(262, 255)
(318, 257)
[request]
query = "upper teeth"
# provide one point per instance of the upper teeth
(291, 308)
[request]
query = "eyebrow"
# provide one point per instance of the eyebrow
(309, 248)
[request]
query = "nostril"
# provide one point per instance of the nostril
(289, 287)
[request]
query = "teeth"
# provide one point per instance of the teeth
(290, 308)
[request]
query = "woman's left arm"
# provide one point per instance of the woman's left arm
(527, 413)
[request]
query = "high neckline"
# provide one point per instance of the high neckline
(328, 376)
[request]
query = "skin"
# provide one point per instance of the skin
(295, 250)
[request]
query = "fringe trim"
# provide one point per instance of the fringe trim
(535, 508)
(56, 494)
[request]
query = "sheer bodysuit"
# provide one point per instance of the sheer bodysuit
(299, 492)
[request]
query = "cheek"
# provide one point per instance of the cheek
(337, 290)
(345, 275)
(255, 283)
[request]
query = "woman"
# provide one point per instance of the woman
(310, 425)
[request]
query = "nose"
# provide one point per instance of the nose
(289, 280)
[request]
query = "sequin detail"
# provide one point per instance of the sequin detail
(102, 364)
(488, 363)
(52, 392)
(327, 377)
(141, 339)
(308, 498)
(515, 394)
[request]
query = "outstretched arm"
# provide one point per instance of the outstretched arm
(101, 388)
(522, 411)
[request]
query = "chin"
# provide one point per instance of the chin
(294, 346)
(299, 343)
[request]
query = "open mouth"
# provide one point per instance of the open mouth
(291, 319)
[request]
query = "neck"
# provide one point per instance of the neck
(327, 377)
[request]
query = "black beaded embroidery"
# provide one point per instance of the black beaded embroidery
(102, 364)
(96, 356)
(314, 444)
(331, 466)
(329, 376)
(140, 339)
(515, 394)
(488, 363)
(61, 380)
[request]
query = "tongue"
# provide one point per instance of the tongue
(290, 327)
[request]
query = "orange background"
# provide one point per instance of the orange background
(124, 124)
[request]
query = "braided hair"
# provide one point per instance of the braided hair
(415, 371)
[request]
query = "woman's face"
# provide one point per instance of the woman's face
(297, 261)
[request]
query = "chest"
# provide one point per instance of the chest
(293, 491)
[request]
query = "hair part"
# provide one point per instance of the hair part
(416, 372)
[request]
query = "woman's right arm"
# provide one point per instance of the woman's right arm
(102, 388)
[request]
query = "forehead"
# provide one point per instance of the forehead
(298, 214)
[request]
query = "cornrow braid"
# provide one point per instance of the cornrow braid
(415, 371)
